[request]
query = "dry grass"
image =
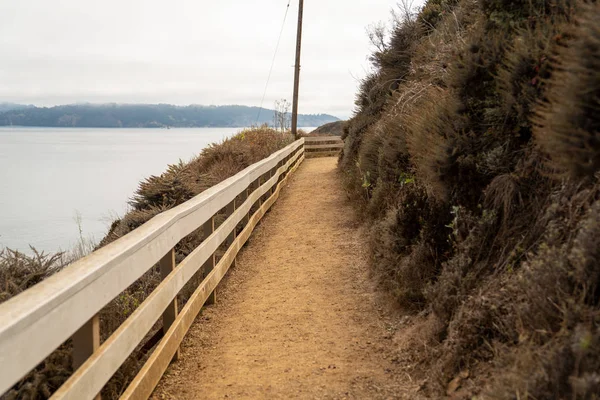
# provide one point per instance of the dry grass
(330, 129)
(478, 171)
(156, 194)
(19, 271)
(569, 127)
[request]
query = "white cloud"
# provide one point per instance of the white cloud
(182, 51)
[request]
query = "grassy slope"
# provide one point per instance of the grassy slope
(474, 153)
(178, 184)
(330, 129)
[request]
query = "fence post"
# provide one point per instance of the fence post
(209, 265)
(260, 199)
(272, 187)
(247, 217)
(85, 342)
(167, 265)
(230, 209)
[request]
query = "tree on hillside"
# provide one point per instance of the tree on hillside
(281, 116)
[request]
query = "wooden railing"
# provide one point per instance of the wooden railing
(319, 146)
(66, 305)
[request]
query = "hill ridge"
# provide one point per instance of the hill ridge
(113, 115)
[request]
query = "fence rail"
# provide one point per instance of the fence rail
(66, 305)
(318, 146)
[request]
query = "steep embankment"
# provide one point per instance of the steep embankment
(474, 155)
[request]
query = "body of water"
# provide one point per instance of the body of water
(48, 176)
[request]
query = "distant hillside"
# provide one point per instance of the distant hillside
(4, 107)
(146, 116)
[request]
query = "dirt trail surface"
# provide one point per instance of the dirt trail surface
(297, 317)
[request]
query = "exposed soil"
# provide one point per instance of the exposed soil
(298, 317)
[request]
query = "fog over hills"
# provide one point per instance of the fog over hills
(145, 116)
(4, 107)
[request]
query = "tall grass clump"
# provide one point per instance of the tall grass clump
(179, 183)
(473, 154)
(19, 272)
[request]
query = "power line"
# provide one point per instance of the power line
(273, 61)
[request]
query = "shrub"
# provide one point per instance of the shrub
(19, 271)
(569, 120)
(483, 164)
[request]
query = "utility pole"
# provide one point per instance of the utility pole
(297, 72)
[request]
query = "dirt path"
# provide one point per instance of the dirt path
(297, 317)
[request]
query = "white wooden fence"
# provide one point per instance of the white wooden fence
(319, 146)
(66, 305)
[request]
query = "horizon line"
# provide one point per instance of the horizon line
(154, 104)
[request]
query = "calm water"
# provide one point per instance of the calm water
(48, 176)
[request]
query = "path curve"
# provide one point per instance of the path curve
(297, 317)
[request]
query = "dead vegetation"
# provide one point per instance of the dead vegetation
(178, 184)
(330, 129)
(474, 154)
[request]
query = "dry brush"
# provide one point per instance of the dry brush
(474, 155)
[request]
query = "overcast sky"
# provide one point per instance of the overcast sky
(183, 51)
